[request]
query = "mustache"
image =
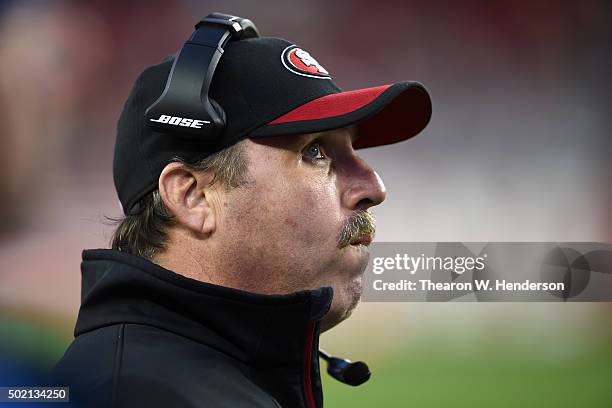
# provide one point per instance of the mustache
(361, 223)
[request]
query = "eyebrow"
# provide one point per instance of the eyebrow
(308, 137)
(351, 129)
(304, 138)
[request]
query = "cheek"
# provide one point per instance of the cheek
(312, 214)
(286, 235)
(302, 216)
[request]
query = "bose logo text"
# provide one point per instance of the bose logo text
(185, 122)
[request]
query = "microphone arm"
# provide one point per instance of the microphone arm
(345, 371)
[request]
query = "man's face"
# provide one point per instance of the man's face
(300, 221)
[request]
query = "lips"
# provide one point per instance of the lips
(363, 240)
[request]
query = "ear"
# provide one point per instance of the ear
(184, 193)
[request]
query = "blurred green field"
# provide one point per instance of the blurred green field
(429, 372)
(480, 377)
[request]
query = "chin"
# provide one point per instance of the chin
(356, 257)
(345, 301)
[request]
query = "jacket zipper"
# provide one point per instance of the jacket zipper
(310, 331)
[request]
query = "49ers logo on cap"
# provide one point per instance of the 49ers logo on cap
(302, 63)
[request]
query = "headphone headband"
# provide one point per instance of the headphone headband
(240, 27)
(184, 105)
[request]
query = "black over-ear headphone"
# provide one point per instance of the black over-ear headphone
(185, 106)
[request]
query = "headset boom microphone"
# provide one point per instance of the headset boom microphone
(345, 371)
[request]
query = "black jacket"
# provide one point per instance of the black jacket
(148, 337)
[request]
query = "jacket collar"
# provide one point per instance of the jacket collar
(259, 330)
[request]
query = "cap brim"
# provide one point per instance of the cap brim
(383, 114)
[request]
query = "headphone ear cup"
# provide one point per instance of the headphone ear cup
(219, 110)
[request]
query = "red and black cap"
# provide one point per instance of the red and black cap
(265, 87)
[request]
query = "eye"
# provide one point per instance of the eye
(314, 151)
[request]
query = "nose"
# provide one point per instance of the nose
(365, 188)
